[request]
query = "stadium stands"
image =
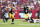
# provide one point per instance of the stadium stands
(19, 4)
(32, 4)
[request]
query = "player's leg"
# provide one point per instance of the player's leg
(29, 19)
(9, 15)
(3, 19)
(32, 21)
(13, 19)
(6, 19)
(26, 17)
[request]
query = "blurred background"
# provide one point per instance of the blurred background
(34, 7)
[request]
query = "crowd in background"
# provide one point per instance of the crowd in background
(19, 4)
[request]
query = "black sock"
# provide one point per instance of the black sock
(6, 19)
(12, 20)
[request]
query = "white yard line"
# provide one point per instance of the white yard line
(29, 24)
(3, 23)
(23, 24)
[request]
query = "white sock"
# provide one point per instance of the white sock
(28, 21)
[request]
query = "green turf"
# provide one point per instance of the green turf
(18, 23)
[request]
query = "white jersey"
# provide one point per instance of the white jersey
(36, 21)
(6, 15)
(30, 15)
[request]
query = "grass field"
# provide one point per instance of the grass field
(18, 23)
